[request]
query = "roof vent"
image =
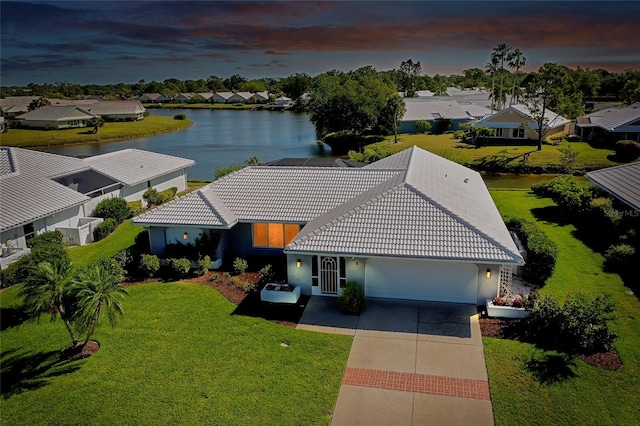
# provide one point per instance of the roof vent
(142, 166)
(466, 180)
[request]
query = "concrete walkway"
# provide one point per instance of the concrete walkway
(411, 363)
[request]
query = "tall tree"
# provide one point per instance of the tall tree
(215, 84)
(98, 293)
(234, 81)
(545, 90)
(501, 52)
(408, 74)
(516, 61)
(45, 292)
(38, 103)
(492, 68)
(295, 85)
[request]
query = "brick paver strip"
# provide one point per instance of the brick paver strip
(422, 383)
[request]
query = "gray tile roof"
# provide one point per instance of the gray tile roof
(446, 205)
(53, 113)
(275, 194)
(412, 204)
(612, 118)
(417, 109)
(621, 181)
(134, 166)
(27, 191)
(116, 107)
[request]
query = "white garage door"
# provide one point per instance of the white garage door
(421, 280)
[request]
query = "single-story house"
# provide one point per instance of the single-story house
(43, 192)
(207, 96)
(283, 101)
(183, 98)
(516, 122)
(118, 110)
(623, 182)
(55, 118)
(417, 110)
(239, 97)
(411, 226)
(260, 97)
(154, 98)
(611, 124)
(222, 97)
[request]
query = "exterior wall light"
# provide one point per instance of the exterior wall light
(488, 273)
(298, 263)
(185, 236)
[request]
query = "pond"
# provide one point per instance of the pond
(221, 137)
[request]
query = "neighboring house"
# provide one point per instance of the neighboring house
(2, 125)
(13, 106)
(207, 96)
(55, 118)
(183, 98)
(239, 97)
(43, 192)
(516, 122)
(260, 97)
(623, 182)
(284, 102)
(417, 110)
(611, 124)
(410, 226)
(154, 98)
(118, 110)
(222, 97)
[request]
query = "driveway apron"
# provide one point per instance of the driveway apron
(411, 363)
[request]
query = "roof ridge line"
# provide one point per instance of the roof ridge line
(458, 217)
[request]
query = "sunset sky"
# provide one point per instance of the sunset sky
(126, 41)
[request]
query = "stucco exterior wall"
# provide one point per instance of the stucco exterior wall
(177, 179)
(355, 270)
(487, 287)
(300, 277)
(157, 240)
(133, 193)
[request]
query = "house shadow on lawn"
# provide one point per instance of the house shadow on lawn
(288, 314)
(12, 317)
(549, 369)
(25, 371)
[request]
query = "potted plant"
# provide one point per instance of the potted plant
(507, 307)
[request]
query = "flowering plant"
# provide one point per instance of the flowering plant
(516, 302)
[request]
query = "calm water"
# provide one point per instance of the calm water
(222, 137)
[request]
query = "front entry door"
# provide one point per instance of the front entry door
(329, 275)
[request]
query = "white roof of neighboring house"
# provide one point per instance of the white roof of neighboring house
(412, 204)
(612, 118)
(133, 166)
(53, 113)
(28, 191)
(206, 95)
(225, 95)
(152, 96)
(283, 99)
(552, 119)
(426, 110)
(116, 107)
(245, 95)
(621, 181)
(262, 95)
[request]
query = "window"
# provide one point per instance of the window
(518, 133)
(499, 132)
(274, 234)
(29, 231)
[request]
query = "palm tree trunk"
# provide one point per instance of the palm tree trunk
(92, 328)
(67, 324)
(493, 90)
(513, 90)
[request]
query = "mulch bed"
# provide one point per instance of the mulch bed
(77, 351)
(500, 328)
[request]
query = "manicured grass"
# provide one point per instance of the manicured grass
(531, 386)
(455, 150)
(110, 132)
(124, 236)
(178, 356)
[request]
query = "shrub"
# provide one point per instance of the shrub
(542, 253)
(458, 134)
(579, 326)
(423, 126)
(541, 189)
(225, 170)
(572, 197)
(352, 300)
(180, 117)
(568, 157)
(179, 268)
(369, 155)
(152, 197)
(240, 265)
(104, 229)
(136, 207)
(204, 263)
(442, 124)
(46, 239)
(113, 208)
(110, 265)
(627, 150)
(149, 265)
(266, 273)
(168, 194)
(619, 257)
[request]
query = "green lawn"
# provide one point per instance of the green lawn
(110, 132)
(576, 393)
(179, 356)
(455, 150)
(123, 237)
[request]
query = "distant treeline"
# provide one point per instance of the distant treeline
(594, 85)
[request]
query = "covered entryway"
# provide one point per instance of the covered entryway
(421, 280)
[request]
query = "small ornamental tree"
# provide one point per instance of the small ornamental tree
(116, 208)
(423, 126)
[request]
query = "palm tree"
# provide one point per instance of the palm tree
(517, 61)
(501, 52)
(45, 292)
(491, 68)
(97, 293)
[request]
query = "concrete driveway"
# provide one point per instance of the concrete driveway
(411, 363)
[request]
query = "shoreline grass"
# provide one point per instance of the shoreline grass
(111, 132)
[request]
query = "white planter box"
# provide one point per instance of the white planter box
(276, 296)
(496, 311)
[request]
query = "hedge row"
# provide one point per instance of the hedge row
(542, 253)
